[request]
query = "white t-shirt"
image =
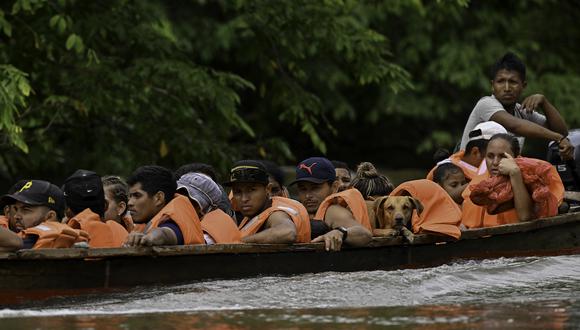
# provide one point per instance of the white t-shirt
(486, 107)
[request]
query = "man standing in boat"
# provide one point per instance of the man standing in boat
(508, 80)
(345, 212)
(266, 219)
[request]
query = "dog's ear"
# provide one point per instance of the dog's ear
(379, 203)
(417, 204)
(380, 216)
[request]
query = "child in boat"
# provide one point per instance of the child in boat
(117, 197)
(452, 179)
(85, 209)
(345, 212)
(471, 160)
(266, 219)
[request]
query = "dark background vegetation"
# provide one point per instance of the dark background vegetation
(114, 84)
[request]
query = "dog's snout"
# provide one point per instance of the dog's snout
(399, 220)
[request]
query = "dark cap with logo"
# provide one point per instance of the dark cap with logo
(37, 193)
(84, 190)
(316, 170)
(248, 171)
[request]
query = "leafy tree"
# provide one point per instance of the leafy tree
(113, 84)
(449, 47)
(110, 85)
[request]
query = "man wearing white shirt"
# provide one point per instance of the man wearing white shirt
(508, 82)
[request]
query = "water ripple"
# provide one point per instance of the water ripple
(501, 280)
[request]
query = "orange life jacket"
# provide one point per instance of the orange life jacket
(351, 199)
(53, 235)
(108, 234)
(541, 179)
(471, 214)
(294, 209)
(475, 216)
(139, 227)
(233, 202)
(180, 210)
(440, 213)
(469, 170)
(221, 227)
(3, 221)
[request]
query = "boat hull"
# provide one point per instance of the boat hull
(48, 272)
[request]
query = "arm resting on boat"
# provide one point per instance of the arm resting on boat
(156, 237)
(279, 228)
(160, 236)
(339, 216)
(9, 241)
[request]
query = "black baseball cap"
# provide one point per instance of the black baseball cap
(84, 189)
(37, 193)
(316, 170)
(248, 171)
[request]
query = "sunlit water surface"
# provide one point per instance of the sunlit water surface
(525, 293)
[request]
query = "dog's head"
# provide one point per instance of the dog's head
(396, 211)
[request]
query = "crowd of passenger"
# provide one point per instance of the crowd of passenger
(485, 183)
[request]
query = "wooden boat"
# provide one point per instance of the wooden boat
(31, 274)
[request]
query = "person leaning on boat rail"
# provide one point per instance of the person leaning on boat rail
(266, 219)
(35, 213)
(344, 213)
(514, 188)
(85, 209)
(161, 216)
(471, 160)
(508, 81)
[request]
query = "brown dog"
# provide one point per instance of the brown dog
(393, 216)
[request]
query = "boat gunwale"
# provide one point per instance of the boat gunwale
(420, 239)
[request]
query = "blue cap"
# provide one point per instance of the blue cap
(316, 170)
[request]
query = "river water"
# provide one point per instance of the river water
(523, 293)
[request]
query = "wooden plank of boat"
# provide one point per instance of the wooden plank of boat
(58, 270)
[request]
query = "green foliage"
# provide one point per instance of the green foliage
(448, 48)
(120, 83)
(110, 85)
(14, 91)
